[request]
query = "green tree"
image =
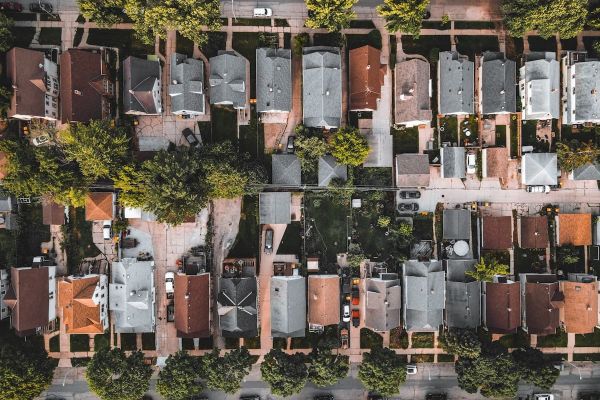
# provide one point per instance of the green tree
(6, 36)
(382, 371)
(333, 15)
(403, 233)
(5, 98)
(461, 342)
(226, 373)
(403, 16)
(130, 183)
(285, 373)
(179, 379)
(326, 368)
(309, 149)
(112, 375)
(485, 270)
(300, 41)
(575, 154)
(534, 369)
(349, 146)
(103, 12)
(549, 17)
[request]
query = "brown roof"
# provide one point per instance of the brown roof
(3, 165)
(502, 307)
(497, 233)
(192, 305)
(581, 306)
(366, 77)
(542, 307)
(534, 232)
(76, 298)
(24, 73)
(82, 75)
(53, 213)
(575, 229)
(412, 170)
(411, 87)
(324, 299)
(495, 162)
(28, 299)
(99, 206)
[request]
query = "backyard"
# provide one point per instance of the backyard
(422, 340)
(570, 259)
(370, 339)
(327, 338)
(246, 242)
(475, 45)
(77, 239)
(326, 227)
(124, 40)
(448, 129)
(559, 339)
(223, 125)
(406, 140)
(529, 260)
(18, 247)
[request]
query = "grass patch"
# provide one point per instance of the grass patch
(398, 338)
(528, 260)
(246, 44)
(422, 340)
(124, 40)
(515, 340)
(80, 362)
(216, 41)
(79, 342)
(252, 343)
(514, 136)
(370, 339)
(252, 22)
(470, 124)
(291, 242)
(448, 129)
(570, 258)
(25, 243)
(559, 339)
(372, 39)
(427, 46)
(440, 25)
(184, 45)
(473, 25)
(422, 358)
(500, 135)
(326, 227)
(223, 124)
(252, 138)
(280, 343)
(205, 343)
(102, 342)
(78, 242)
(22, 36)
(54, 344)
(445, 358)
(232, 343)
(187, 343)
(128, 341)
(148, 341)
(473, 45)
(423, 227)
(373, 176)
(586, 357)
(537, 43)
(78, 36)
(329, 338)
(21, 16)
(406, 140)
(246, 242)
(362, 24)
(283, 23)
(529, 133)
(588, 340)
(334, 39)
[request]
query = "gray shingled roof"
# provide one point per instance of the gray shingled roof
(413, 103)
(457, 224)
(381, 151)
(455, 269)
(453, 162)
(186, 86)
(463, 304)
(322, 87)
(412, 170)
(586, 87)
(587, 172)
(237, 308)
(539, 169)
(286, 169)
(273, 79)
(228, 80)
(540, 86)
(141, 86)
(275, 207)
(498, 89)
(288, 306)
(330, 169)
(423, 295)
(456, 80)
(383, 302)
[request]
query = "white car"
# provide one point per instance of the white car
(544, 396)
(106, 230)
(471, 163)
(346, 315)
(262, 12)
(40, 140)
(170, 284)
(538, 189)
(411, 369)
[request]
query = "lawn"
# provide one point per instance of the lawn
(372, 39)
(326, 227)
(373, 176)
(223, 124)
(78, 36)
(30, 235)
(448, 129)
(514, 136)
(502, 256)
(445, 358)
(102, 341)
(246, 44)
(500, 135)
(589, 340)
(427, 46)
(252, 138)
(291, 243)
(469, 125)
(328, 39)
(529, 133)
(246, 242)
(406, 140)
(280, 343)
(252, 22)
(586, 357)
(252, 343)
(422, 358)
(22, 36)
(362, 23)
(187, 343)
(55, 344)
(50, 36)
(128, 341)
(124, 40)
(77, 239)
(473, 25)
(423, 227)
(205, 343)
(370, 339)
(232, 343)
(329, 338)
(528, 260)
(79, 342)
(422, 340)
(216, 41)
(570, 259)
(559, 339)
(515, 340)
(398, 338)
(80, 362)
(476, 45)
(536, 43)
(148, 341)
(8, 247)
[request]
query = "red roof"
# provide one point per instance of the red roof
(28, 80)
(497, 233)
(366, 78)
(502, 307)
(192, 305)
(534, 232)
(99, 206)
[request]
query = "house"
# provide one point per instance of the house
(273, 80)
(366, 78)
(581, 83)
(534, 232)
(497, 84)
(186, 87)
(412, 87)
(456, 224)
(192, 305)
(453, 160)
(412, 170)
(423, 295)
(574, 229)
(35, 85)
(463, 295)
(539, 86)
(99, 206)
(502, 306)
(539, 169)
(274, 208)
(383, 302)
(237, 306)
(580, 314)
(4, 286)
(229, 79)
(86, 89)
(132, 296)
(31, 298)
(286, 170)
(497, 233)
(494, 163)
(288, 306)
(84, 303)
(330, 169)
(587, 172)
(321, 87)
(8, 212)
(455, 84)
(541, 301)
(323, 301)
(53, 213)
(142, 86)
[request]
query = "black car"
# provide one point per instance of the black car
(323, 397)
(11, 6)
(40, 7)
(410, 194)
(170, 313)
(190, 137)
(251, 397)
(290, 145)
(436, 396)
(408, 207)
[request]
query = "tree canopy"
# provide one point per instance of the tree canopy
(575, 154)
(179, 378)
(285, 373)
(226, 373)
(461, 342)
(485, 270)
(326, 368)
(534, 368)
(382, 371)
(403, 16)
(6, 36)
(103, 12)
(349, 146)
(333, 15)
(112, 375)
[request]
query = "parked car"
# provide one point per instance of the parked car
(250, 397)
(346, 313)
(471, 163)
(355, 318)
(170, 284)
(538, 189)
(410, 194)
(107, 230)
(40, 7)
(170, 312)
(344, 338)
(411, 369)
(543, 396)
(11, 6)
(355, 295)
(190, 137)
(290, 144)
(262, 12)
(408, 207)
(40, 140)
(268, 241)
(436, 396)
(324, 397)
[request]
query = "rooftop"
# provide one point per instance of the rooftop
(228, 79)
(497, 233)
(494, 162)
(539, 169)
(186, 86)
(541, 86)
(581, 306)
(366, 78)
(141, 86)
(498, 84)
(330, 169)
(83, 302)
(423, 295)
(273, 79)
(502, 307)
(288, 306)
(457, 224)
(322, 87)
(323, 300)
(456, 83)
(25, 71)
(534, 232)
(192, 305)
(383, 302)
(275, 208)
(413, 102)
(412, 170)
(286, 170)
(99, 206)
(574, 229)
(237, 307)
(543, 301)
(589, 172)
(463, 304)
(453, 162)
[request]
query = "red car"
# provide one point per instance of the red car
(11, 6)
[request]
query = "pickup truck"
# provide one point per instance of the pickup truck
(355, 318)
(170, 284)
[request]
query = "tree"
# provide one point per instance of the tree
(130, 182)
(549, 17)
(285, 373)
(333, 15)
(575, 154)
(6, 36)
(327, 369)
(485, 270)
(534, 368)
(308, 149)
(5, 98)
(103, 12)
(99, 150)
(226, 373)
(300, 41)
(178, 380)
(382, 371)
(112, 375)
(403, 15)
(349, 146)
(461, 342)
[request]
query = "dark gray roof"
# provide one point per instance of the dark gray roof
(463, 304)
(330, 169)
(285, 169)
(228, 80)
(539, 169)
(456, 80)
(412, 170)
(383, 303)
(498, 89)
(186, 86)
(540, 86)
(141, 86)
(413, 103)
(273, 79)
(322, 87)
(457, 224)
(455, 270)
(423, 294)
(583, 93)
(237, 307)
(587, 172)
(275, 207)
(7, 203)
(288, 306)
(453, 162)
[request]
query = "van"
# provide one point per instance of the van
(268, 241)
(106, 230)
(471, 163)
(262, 12)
